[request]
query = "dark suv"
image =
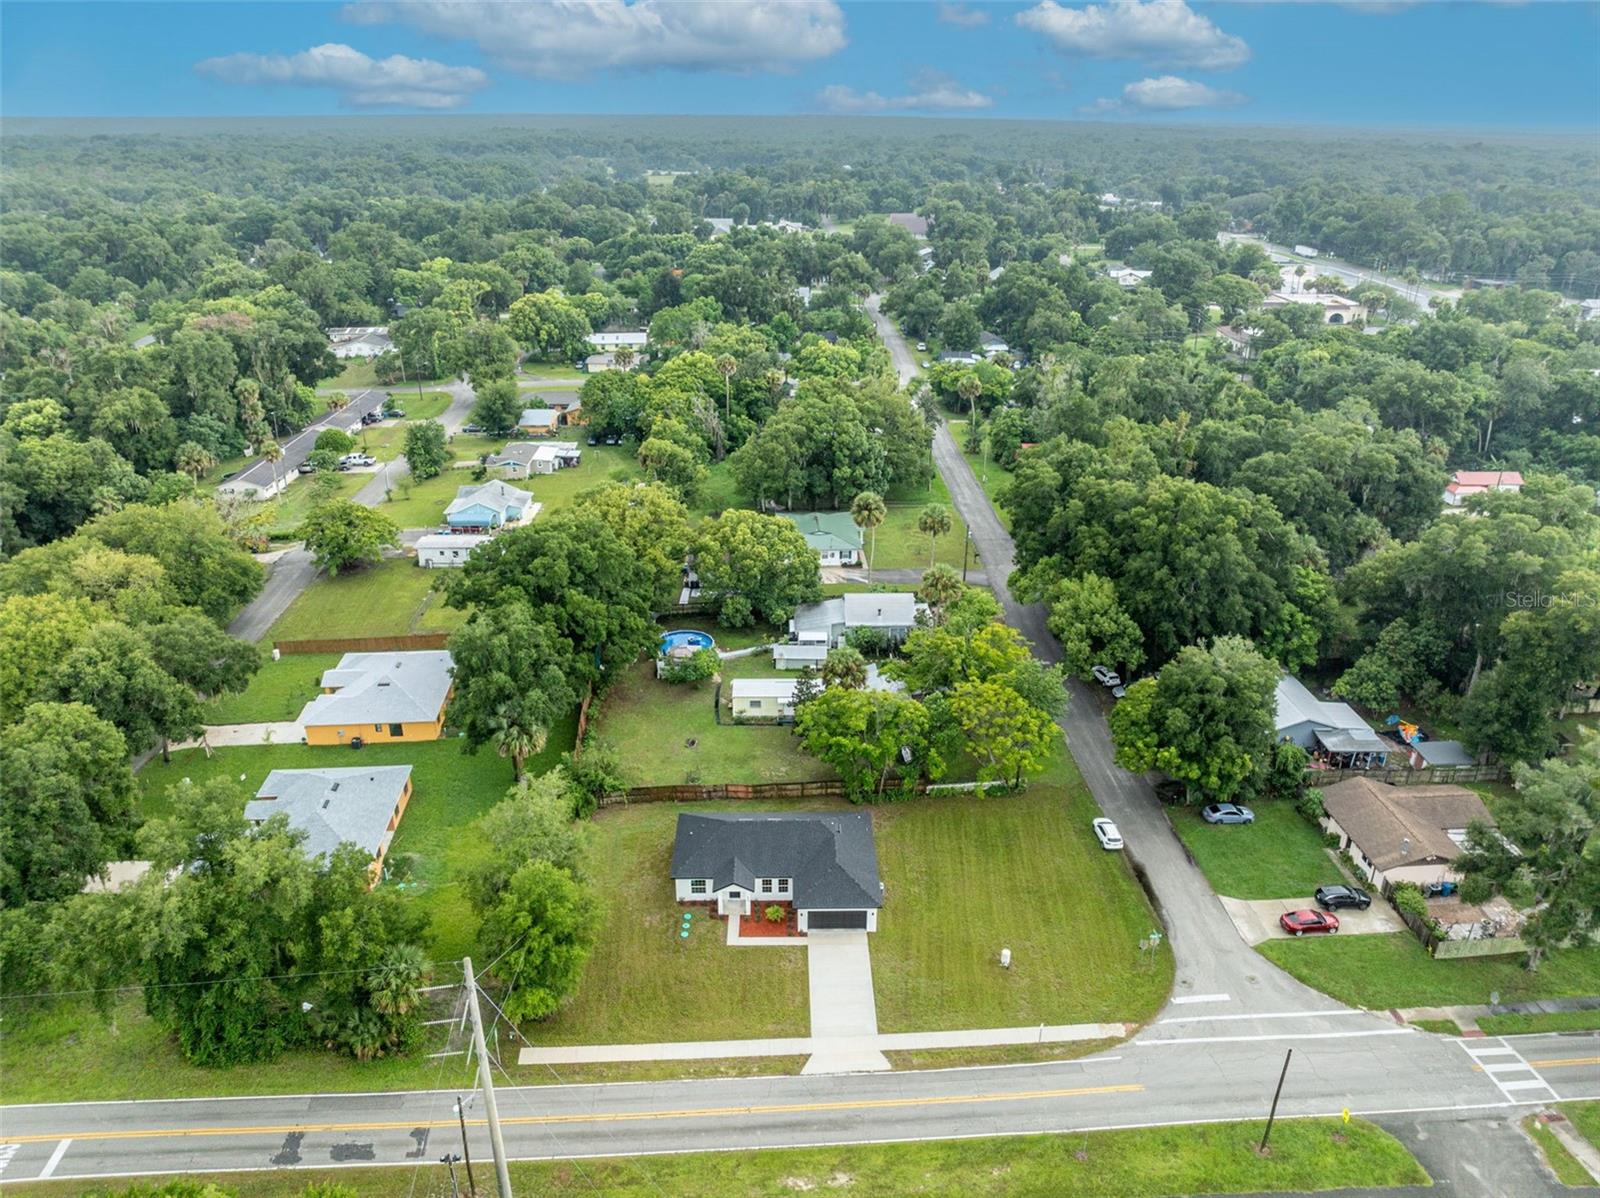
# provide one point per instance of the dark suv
(1331, 898)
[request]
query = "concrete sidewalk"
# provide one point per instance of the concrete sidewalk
(706, 1050)
(1466, 1017)
(221, 736)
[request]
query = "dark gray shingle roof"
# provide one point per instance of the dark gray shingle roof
(830, 855)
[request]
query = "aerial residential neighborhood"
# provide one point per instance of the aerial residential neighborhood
(653, 598)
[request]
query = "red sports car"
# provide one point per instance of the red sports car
(1300, 923)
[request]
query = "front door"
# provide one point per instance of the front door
(733, 904)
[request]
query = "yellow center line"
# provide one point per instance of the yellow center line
(618, 1117)
(1556, 1063)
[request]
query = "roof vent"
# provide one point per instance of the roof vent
(1405, 846)
(325, 803)
(335, 786)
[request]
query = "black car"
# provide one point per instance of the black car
(1332, 898)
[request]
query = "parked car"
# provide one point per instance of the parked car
(1227, 813)
(1303, 923)
(1331, 898)
(1112, 679)
(1118, 692)
(613, 439)
(1101, 673)
(357, 459)
(370, 417)
(394, 413)
(472, 428)
(305, 468)
(922, 347)
(1106, 833)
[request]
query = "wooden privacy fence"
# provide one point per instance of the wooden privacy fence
(1439, 775)
(365, 644)
(826, 789)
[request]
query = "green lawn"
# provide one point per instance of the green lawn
(358, 375)
(1562, 1163)
(562, 370)
(1215, 1158)
(1559, 1021)
(965, 876)
(652, 724)
(277, 692)
(1439, 1027)
(644, 983)
(1278, 856)
(292, 506)
(392, 598)
(900, 546)
(1585, 1117)
(1393, 970)
(413, 504)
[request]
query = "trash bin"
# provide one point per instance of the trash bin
(357, 742)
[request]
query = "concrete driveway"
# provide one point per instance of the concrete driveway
(1257, 919)
(844, 1012)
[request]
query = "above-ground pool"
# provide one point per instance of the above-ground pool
(686, 638)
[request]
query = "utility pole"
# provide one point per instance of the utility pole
(966, 555)
(461, 1114)
(491, 1111)
(1273, 1113)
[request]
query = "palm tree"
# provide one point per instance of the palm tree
(623, 357)
(727, 368)
(273, 452)
(193, 459)
(969, 388)
(934, 521)
(868, 511)
(338, 401)
(519, 741)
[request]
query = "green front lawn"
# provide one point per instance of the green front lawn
(413, 504)
(1558, 1021)
(653, 723)
(1585, 1117)
(992, 478)
(1278, 856)
(966, 876)
(1562, 1163)
(1393, 970)
(392, 598)
(562, 370)
(899, 546)
(1215, 1158)
(277, 692)
(358, 375)
(293, 504)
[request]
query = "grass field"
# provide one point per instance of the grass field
(652, 724)
(391, 598)
(413, 504)
(1557, 1021)
(277, 692)
(293, 505)
(1217, 1158)
(358, 375)
(900, 546)
(1394, 970)
(966, 875)
(1439, 1027)
(562, 370)
(1585, 1117)
(1562, 1163)
(1278, 856)
(992, 478)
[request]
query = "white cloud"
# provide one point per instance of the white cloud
(1165, 93)
(930, 91)
(568, 39)
(362, 82)
(960, 14)
(1160, 32)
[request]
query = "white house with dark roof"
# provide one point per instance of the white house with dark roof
(894, 613)
(333, 806)
(825, 864)
(381, 697)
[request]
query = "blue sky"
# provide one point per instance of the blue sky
(1382, 62)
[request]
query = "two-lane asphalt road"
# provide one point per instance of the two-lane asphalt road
(1182, 1072)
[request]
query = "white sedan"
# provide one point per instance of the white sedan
(1106, 833)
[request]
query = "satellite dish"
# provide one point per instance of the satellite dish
(1405, 846)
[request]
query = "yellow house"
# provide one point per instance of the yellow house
(360, 806)
(381, 698)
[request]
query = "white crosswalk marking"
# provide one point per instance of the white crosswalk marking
(1507, 1069)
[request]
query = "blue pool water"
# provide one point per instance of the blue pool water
(686, 638)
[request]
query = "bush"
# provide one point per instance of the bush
(774, 914)
(1310, 807)
(1408, 900)
(870, 642)
(594, 773)
(697, 667)
(335, 439)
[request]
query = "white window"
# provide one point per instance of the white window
(755, 703)
(783, 885)
(766, 885)
(697, 886)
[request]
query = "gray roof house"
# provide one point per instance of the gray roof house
(1328, 730)
(892, 612)
(349, 805)
(368, 692)
(824, 863)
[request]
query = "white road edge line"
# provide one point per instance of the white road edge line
(1188, 998)
(55, 1159)
(1180, 1040)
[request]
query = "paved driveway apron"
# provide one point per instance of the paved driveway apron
(844, 1012)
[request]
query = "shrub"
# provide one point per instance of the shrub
(774, 914)
(1310, 807)
(695, 668)
(871, 642)
(1408, 900)
(335, 439)
(594, 773)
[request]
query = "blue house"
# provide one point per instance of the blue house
(488, 506)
